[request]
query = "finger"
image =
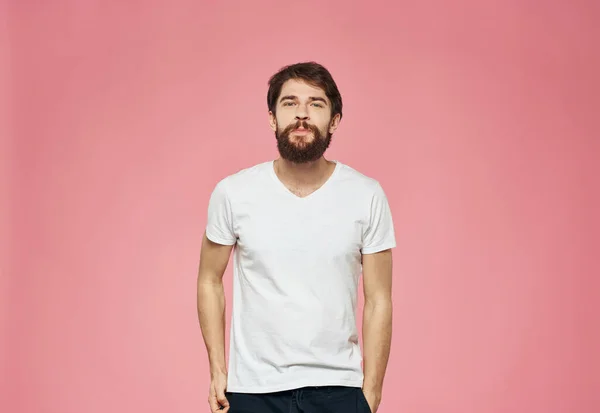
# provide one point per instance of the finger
(214, 404)
(222, 399)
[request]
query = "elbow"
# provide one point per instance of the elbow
(379, 301)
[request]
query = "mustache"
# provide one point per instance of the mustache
(301, 124)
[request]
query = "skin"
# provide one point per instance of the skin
(301, 179)
(377, 323)
(211, 314)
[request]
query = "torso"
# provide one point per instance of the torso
(297, 264)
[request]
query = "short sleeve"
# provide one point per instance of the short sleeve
(379, 234)
(219, 226)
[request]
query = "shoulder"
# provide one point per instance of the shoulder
(243, 179)
(359, 181)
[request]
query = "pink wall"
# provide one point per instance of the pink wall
(6, 170)
(479, 120)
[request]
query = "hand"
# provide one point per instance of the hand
(373, 399)
(216, 395)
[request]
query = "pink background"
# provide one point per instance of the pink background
(480, 119)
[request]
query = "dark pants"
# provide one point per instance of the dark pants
(324, 399)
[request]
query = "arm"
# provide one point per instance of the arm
(211, 314)
(377, 322)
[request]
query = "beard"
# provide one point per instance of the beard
(301, 151)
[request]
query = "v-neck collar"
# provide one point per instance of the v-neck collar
(271, 166)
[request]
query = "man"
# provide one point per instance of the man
(304, 229)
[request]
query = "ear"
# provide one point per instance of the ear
(335, 122)
(273, 121)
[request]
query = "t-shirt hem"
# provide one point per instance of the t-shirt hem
(295, 385)
(378, 248)
(219, 240)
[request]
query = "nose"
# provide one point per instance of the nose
(301, 113)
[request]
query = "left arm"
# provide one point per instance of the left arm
(377, 322)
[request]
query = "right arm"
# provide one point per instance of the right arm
(211, 315)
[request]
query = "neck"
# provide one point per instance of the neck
(309, 173)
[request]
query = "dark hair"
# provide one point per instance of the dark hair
(313, 74)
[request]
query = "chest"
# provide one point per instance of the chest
(302, 192)
(328, 229)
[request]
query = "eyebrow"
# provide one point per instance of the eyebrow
(310, 99)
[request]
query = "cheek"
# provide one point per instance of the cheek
(323, 123)
(283, 120)
(320, 117)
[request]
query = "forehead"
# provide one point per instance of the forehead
(301, 89)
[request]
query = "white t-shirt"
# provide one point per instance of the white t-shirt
(297, 263)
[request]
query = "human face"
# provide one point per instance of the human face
(302, 124)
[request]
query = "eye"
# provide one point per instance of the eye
(318, 105)
(288, 103)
